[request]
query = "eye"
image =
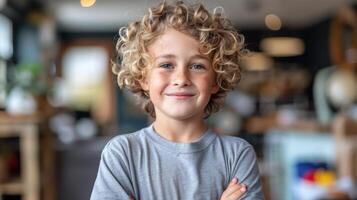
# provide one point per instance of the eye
(166, 66)
(198, 66)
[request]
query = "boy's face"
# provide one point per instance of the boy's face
(180, 80)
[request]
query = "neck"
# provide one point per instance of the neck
(180, 131)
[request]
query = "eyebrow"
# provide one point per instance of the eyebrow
(197, 56)
(165, 56)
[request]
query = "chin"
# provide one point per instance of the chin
(182, 115)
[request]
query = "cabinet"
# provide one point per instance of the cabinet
(26, 129)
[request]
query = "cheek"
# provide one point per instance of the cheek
(206, 83)
(157, 82)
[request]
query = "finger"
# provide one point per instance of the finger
(237, 194)
(233, 181)
(231, 189)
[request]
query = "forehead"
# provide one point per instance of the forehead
(174, 42)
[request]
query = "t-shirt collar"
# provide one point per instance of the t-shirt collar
(198, 145)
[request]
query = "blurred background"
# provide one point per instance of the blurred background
(296, 103)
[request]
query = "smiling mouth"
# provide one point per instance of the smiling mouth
(181, 96)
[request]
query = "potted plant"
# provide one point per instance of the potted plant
(26, 87)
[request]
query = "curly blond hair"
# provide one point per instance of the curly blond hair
(219, 40)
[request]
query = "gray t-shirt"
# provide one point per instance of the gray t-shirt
(146, 166)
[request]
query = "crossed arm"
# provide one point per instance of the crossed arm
(111, 188)
(234, 191)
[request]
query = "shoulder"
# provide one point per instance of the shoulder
(234, 143)
(235, 148)
(233, 140)
(125, 142)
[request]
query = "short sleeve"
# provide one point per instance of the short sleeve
(247, 172)
(113, 178)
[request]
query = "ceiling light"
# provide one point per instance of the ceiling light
(282, 46)
(87, 3)
(273, 22)
(257, 61)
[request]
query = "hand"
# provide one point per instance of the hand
(131, 198)
(234, 190)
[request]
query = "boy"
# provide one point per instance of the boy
(182, 60)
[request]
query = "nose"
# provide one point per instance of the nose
(181, 77)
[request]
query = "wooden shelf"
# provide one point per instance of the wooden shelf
(11, 188)
(6, 118)
(28, 186)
